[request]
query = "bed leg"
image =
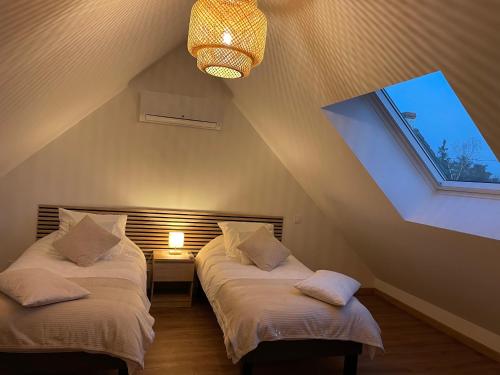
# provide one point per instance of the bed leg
(246, 368)
(350, 364)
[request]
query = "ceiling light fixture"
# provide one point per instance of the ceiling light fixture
(227, 37)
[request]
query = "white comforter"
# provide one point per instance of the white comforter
(113, 320)
(252, 305)
(130, 264)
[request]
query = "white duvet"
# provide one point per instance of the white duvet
(252, 305)
(214, 268)
(129, 264)
(114, 319)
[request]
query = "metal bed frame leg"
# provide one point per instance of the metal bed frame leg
(350, 364)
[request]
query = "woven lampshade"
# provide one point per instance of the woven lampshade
(227, 37)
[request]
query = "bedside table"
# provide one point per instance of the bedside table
(172, 280)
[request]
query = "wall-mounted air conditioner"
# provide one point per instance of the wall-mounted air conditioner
(168, 109)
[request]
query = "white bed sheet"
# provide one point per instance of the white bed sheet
(129, 264)
(215, 268)
(252, 305)
(116, 283)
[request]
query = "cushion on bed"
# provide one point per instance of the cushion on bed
(112, 223)
(86, 242)
(33, 287)
(263, 249)
(330, 287)
(236, 232)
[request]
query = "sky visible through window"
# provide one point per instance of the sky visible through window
(444, 129)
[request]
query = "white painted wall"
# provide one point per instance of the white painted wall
(110, 159)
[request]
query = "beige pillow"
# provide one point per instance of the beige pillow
(86, 242)
(236, 232)
(33, 287)
(264, 249)
(112, 223)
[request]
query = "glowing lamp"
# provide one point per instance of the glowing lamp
(227, 37)
(175, 241)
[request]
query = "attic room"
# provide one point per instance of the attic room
(249, 187)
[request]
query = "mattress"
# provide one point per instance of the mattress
(252, 305)
(113, 320)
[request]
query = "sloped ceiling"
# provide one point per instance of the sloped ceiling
(60, 60)
(320, 52)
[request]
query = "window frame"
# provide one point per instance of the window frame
(424, 160)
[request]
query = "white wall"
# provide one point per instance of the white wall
(110, 159)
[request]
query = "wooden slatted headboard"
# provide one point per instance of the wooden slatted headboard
(149, 228)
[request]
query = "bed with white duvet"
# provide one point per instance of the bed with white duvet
(252, 305)
(113, 319)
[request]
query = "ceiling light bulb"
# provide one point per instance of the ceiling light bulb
(227, 38)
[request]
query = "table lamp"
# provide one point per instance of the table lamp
(175, 241)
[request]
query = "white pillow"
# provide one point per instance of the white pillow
(86, 242)
(330, 287)
(235, 232)
(264, 250)
(112, 223)
(33, 287)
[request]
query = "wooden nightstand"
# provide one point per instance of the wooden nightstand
(173, 278)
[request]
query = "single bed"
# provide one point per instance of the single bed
(110, 329)
(264, 318)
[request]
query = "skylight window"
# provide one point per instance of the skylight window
(434, 121)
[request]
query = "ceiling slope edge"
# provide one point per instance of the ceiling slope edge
(65, 60)
(11, 167)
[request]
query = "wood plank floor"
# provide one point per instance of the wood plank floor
(189, 341)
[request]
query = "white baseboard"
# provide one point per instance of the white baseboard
(455, 323)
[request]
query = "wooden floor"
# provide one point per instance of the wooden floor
(189, 341)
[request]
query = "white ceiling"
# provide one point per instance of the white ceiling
(62, 59)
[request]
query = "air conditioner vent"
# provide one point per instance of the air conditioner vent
(179, 110)
(164, 120)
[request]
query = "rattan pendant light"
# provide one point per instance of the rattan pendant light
(227, 37)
